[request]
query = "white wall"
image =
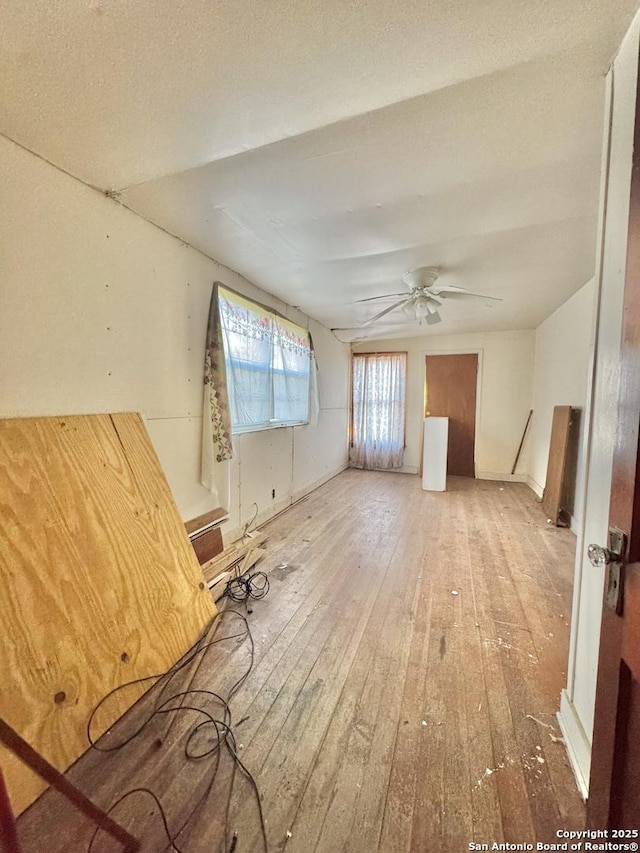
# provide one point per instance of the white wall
(578, 700)
(101, 311)
(561, 371)
(504, 394)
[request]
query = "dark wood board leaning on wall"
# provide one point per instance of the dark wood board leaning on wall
(556, 466)
(99, 584)
(205, 534)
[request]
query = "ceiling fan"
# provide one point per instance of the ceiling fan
(424, 298)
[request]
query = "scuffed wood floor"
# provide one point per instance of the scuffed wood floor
(408, 664)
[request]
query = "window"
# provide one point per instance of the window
(378, 410)
(268, 363)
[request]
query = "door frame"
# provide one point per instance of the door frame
(478, 351)
(577, 740)
(621, 621)
(598, 442)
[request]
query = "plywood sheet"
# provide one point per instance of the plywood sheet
(556, 466)
(99, 583)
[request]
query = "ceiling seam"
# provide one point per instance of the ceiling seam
(112, 195)
(246, 152)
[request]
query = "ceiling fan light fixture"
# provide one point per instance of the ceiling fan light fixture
(421, 307)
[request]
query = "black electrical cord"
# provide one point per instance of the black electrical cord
(242, 588)
(224, 734)
(169, 674)
(121, 799)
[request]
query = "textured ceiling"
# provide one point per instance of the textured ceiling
(322, 149)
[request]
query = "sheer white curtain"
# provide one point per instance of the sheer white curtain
(291, 366)
(247, 339)
(268, 361)
(379, 381)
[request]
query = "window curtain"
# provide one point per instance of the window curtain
(247, 336)
(291, 366)
(269, 363)
(314, 392)
(217, 448)
(379, 382)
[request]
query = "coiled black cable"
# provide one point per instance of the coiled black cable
(254, 586)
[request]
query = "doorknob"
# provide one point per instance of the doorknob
(599, 556)
(612, 556)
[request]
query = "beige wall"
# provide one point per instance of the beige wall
(101, 311)
(504, 393)
(561, 370)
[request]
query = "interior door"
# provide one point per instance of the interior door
(614, 788)
(450, 392)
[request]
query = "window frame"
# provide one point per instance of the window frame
(274, 315)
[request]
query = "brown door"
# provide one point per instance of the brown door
(614, 788)
(450, 392)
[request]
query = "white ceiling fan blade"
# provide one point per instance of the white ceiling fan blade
(452, 288)
(452, 292)
(368, 322)
(383, 296)
(400, 304)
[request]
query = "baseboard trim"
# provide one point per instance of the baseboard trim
(409, 469)
(503, 478)
(576, 743)
(285, 503)
(535, 487)
(311, 487)
(406, 469)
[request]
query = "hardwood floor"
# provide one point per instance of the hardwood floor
(408, 663)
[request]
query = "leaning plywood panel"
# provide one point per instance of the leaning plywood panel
(99, 584)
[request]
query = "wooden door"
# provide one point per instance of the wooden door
(450, 392)
(614, 788)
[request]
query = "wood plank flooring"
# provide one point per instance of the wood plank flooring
(408, 663)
